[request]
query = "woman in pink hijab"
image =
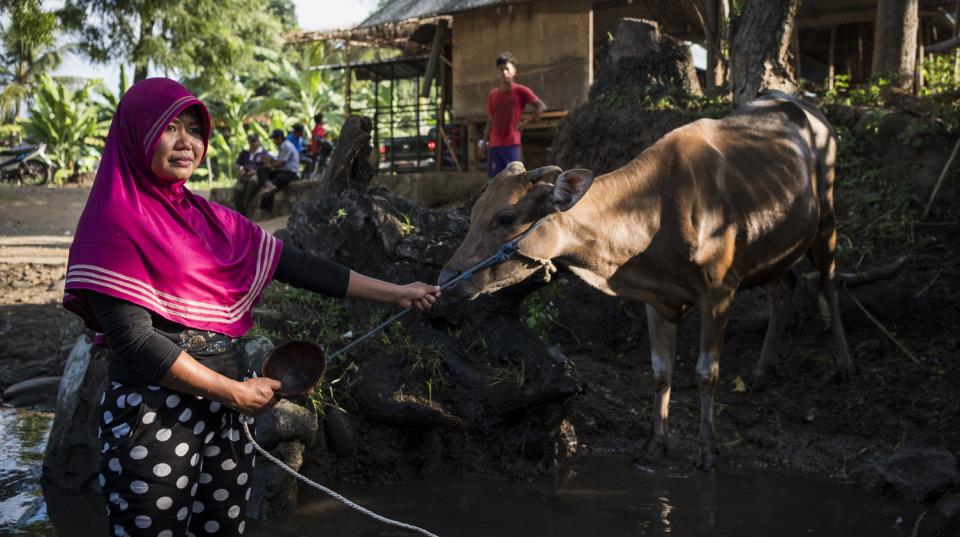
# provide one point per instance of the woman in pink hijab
(170, 279)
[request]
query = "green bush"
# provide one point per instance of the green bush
(69, 122)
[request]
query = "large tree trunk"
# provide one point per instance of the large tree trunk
(146, 32)
(759, 57)
(895, 44)
(349, 166)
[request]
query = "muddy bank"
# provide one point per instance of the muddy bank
(36, 331)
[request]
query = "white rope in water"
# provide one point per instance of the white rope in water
(325, 490)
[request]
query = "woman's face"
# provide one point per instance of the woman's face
(180, 148)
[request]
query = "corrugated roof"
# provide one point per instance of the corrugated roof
(401, 10)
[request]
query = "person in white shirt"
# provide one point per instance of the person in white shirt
(276, 173)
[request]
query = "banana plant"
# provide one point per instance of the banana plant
(70, 123)
(112, 99)
(305, 88)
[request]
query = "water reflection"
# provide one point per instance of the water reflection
(608, 496)
(23, 436)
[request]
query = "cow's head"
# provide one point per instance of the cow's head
(512, 202)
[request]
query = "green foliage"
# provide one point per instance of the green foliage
(843, 93)
(205, 41)
(879, 200)
(424, 361)
(29, 52)
(303, 90)
(510, 373)
(666, 97)
(541, 311)
(69, 123)
(941, 73)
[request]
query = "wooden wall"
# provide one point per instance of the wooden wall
(553, 43)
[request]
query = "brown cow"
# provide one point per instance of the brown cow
(713, 207)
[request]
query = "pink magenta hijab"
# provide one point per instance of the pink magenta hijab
(152, 242)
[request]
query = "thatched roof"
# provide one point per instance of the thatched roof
(401, 10)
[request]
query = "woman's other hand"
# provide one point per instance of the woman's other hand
(255, 396)
(417, 294)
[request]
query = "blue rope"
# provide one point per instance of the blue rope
(507, 250)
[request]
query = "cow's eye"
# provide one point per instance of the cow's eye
(506, 219)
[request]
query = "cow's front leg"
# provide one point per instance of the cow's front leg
(713, 321)
(663, 352)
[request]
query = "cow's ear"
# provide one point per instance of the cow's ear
(571, 185)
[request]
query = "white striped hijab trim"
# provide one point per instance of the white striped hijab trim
(262, 263)
(176, 306)
(162, 122)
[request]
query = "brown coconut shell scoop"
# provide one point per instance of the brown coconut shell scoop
(298, 365)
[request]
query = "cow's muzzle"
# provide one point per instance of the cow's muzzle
(457, 290)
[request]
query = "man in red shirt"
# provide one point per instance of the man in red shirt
(318, 133)
(505, 105)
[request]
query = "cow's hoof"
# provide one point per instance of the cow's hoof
(652, 452)
(758, 381)
(845, 373)
(706, 458)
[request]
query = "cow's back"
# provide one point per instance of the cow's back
(749, 187)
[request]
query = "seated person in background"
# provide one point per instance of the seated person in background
(278, 172)
(246, 165)
(296, 137)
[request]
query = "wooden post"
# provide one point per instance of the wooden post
(860, 74)
(918, 69)
(956, 53)
(348, 75)
(831, 57)
(441, 111)
(416, 117)
(376, 123)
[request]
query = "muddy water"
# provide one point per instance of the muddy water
(595, 496)
(608, 496)
(23, 436)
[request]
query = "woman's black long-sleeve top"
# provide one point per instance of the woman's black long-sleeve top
(145, 344)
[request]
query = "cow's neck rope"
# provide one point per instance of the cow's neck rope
(507, 250)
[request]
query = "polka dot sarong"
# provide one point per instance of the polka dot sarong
(172, 463)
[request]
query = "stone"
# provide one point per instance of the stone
(339, 432)
(948, 505)
(911, 474)
(286, 421)
(37, 393)
(274, 491)
(72, 457)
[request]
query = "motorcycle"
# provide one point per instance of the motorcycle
(26, 164)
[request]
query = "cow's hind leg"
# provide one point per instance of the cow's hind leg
(714, 313)
(823, 253)
(780, 293)
(663, 352)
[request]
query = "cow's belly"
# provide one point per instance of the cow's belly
(769, 257)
